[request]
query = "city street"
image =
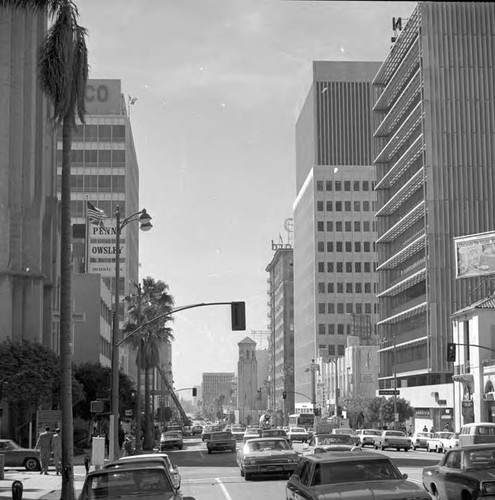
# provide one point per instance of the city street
(206, 477)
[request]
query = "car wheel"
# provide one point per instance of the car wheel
(438, 450)
(247, 476)
(209, 452)
(382, 448)
(32, 464)
(406, 449)
(376, 447)
(435, 494)
(415, 448)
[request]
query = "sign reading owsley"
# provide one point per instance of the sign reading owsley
(102, 248)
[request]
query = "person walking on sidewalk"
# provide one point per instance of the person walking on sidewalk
(44, 444)
(57, 451)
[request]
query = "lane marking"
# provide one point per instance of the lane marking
(224, 489)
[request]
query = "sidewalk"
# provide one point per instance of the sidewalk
(39, 486)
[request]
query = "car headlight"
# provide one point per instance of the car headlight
(488, 488)
(249, 461)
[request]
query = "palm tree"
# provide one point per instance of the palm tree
(63, 72)
(153, 300)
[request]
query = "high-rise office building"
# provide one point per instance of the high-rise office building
(281, 348)
(434, 109)
(334, 230)
(217, 393)
(104, 172)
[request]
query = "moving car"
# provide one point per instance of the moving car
(170, 440)
(367, 436)
(393, 439)
(464, 472)
(196, 429)
(351, 475)
(17, 456)
(251, 433)
(238, 432)
(172, 468)
(323, 443)
(442, 441)
(143, 482)
(298, 434)
(221, 441)
(420, 439)
(266, 456)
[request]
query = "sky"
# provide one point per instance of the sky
(219, 85)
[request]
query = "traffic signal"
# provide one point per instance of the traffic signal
(317, 412)
(451, 351)
(194, 392)
(284, 395)
(238, 315)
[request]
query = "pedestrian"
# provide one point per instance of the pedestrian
(57, 451)
(127, 446)
(425, 429)
(44, 444)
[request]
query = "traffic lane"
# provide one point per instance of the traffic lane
(208, 485)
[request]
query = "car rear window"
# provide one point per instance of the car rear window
(221, 435)
(347, 472)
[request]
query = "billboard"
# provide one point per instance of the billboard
(475, 255)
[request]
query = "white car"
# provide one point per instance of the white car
(367, 436)
(298, 434)
(440, 442)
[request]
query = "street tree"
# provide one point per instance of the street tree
(63, 72)
(356, 408)
(152, 300)
(404, 410)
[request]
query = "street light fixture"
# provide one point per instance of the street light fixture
(145, 225)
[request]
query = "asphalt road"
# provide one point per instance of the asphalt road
(217, 477)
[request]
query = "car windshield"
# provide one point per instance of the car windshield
(221, 435)
(395, 433)
(335, 439)
(349, 472)
(168, 436)
(124, 483)
(372, 432)
(258, 445)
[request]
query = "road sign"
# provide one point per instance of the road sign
(389, 392)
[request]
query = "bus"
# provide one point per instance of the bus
(306, 420)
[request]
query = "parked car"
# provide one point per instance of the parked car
(393, 439)
(420, 439)
(298, 434)
(221, 441)
(170, 440)
(322, 443)
(443, 441)
(145, 482)
(196, 430)
(172, 468)
(238, 432)
(367, 436)
(17, 456)
(363, 475)
(266, 456)
(477, 433)
(464, 472)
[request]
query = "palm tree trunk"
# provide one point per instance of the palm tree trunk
(147, 445)
(66, 340)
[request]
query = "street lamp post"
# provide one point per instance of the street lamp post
(144, 219)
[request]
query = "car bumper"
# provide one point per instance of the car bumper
(221, 447)
(269, 468)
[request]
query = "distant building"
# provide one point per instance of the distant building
(433, 115)
(217, 393)
(247, 382)
(281, 346)
(335, 283)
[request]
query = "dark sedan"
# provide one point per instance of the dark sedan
(363, 475)
(466, 472)
(221, 441)
(17, 456)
